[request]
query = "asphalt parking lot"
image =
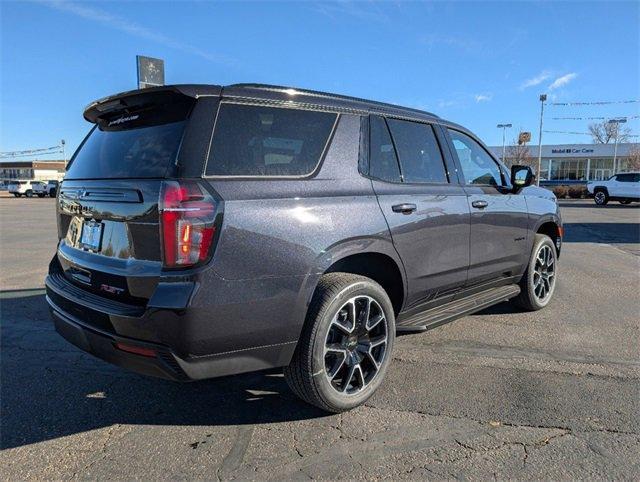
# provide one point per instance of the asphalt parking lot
(500, 394)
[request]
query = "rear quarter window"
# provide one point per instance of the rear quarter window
(250, 141)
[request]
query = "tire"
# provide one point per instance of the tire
(29, 193)
(601, 197)
(40, 195)
(16, 194)
(537, 288)
(625, 201)
(323, 370)
(52, 193)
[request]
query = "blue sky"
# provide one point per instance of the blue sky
(478, 63)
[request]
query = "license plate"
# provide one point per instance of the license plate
(91, 235)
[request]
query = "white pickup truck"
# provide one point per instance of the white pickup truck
(623, 187)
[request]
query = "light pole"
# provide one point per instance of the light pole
(504, 128)
(543, 98)
(64, 158)
(617, 123)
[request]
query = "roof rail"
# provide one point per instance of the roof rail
(280, 88)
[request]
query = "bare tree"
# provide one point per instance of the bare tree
(633, 161)
(605, 132)
(519, 154)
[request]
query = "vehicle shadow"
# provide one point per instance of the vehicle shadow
(51, 389)
(610, 233)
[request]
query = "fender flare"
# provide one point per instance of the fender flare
(343, 249)
(601, 188)
(546, 218)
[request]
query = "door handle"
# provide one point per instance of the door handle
(481, 204)
(405, 208)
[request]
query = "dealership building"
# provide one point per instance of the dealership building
(31, 170)
(576, 163)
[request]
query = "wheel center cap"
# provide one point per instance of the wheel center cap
(352, 341)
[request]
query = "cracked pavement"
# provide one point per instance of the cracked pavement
(500, 394)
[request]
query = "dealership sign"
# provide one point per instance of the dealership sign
(570, 150)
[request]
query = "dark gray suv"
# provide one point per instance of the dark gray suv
(207, 231)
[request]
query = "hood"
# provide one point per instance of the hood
(539, 192)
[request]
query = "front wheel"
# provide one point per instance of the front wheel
(16, 194)
(346, 343)
(539, 281)
(601, 198)
(40, 195)
(29, 193)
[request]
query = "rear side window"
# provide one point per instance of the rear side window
(419, 152)
(383, 163)
(139, 144)
(254, 140)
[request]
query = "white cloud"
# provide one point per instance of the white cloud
(447, 103)
(483, 97)
(125, 25)
(538, 79)
(562, 81)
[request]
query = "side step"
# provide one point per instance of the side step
(440, 315)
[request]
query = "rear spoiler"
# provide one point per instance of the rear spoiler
(125, 102)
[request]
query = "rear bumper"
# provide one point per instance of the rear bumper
(98, 325)
(103, 345)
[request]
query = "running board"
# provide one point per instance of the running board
(440, 315)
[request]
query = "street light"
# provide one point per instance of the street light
(543, 98)
(617, 122)
(64, 158)
(504, 128)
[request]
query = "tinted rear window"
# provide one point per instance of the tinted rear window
(254, 140)
(139, 152)
(141, 141)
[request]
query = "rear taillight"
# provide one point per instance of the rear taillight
(187, 223)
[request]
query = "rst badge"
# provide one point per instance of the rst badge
(111, 289)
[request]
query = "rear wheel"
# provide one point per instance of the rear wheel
(345, 346)
(539, 281)
(40, 194)
(16, 194)
(601, 197)
(29, 193)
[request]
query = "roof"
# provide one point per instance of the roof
(57, 165)
(317, 97)
(262, 92)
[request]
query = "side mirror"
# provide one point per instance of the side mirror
(521, 176)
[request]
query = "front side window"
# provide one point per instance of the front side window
(383, 163)
(477, 165)
(419, 153)
(628, 177)
(252, 140)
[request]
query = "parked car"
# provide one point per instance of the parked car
(623, 187)
(21, 188)
(52, 187)
(39, 188)
(208, 231)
